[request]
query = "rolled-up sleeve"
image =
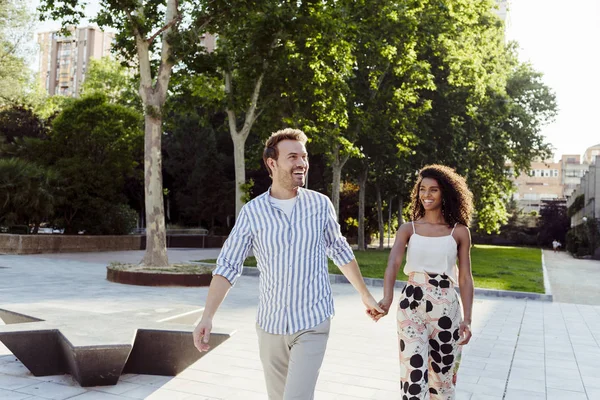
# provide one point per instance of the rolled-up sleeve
(235, 249)
(337, 247)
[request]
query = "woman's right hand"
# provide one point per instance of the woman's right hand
(385, 305)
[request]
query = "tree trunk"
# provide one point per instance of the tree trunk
(336, 166)
(335, 187)
(153, 95)
(400, 208)
(380, 216)
(390, 220)
(239, 137)
(156, 234)
(69, 230)
(362, 185)
(240, 170)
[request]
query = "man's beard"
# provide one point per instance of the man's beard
(297, 181)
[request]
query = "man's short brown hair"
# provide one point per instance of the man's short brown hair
(271, 150)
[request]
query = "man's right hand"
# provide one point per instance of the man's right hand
(372, 308)
(202, 335)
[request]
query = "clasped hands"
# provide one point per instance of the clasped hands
(383, 307)
(380, 310)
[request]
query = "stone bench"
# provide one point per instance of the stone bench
(97, 348)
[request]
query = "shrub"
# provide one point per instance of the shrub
(106, 219)
(583, 239)
(574, 240)
(577, 205)
(120, 219)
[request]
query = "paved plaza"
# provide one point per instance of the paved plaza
(522, 349)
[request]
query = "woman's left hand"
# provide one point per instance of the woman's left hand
(465, 333)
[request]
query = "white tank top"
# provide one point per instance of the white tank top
(436, 255)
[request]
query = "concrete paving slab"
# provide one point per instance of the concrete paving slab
(510, 337)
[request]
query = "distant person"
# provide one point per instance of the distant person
(555, 245)
(291, 231)
(431, 329)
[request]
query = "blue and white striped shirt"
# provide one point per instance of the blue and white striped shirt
(291, 254)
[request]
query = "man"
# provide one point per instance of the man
(555, 245)
(291, 231)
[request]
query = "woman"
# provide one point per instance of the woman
(430, 327)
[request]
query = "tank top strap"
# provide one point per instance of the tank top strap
(413, 224)
(452, 233)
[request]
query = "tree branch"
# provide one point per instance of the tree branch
(166, 61)
(141, 46)
(250, 117)
(164, 28)
(230, 112)
(344, 160)
(136, 30)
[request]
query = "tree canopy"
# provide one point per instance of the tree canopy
(381, 87)
(16, 23)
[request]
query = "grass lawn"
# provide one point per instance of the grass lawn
(494, 267)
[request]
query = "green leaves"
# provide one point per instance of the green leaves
(16, 27)
(94, 146)
(108, 77)
(27, 192)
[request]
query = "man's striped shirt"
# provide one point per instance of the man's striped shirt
(291, 254)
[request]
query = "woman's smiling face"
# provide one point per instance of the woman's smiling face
(430, 194)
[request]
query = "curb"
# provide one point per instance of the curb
(377, 282)
(547, 287)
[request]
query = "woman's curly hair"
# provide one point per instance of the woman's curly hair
(457, 199)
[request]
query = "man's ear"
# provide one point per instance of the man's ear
(271, 163)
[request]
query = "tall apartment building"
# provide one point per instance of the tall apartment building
(592, 155)
(209, 41)
(588, 187)
(64, 58)
(548, 180)
(572, 170)
(542, 183)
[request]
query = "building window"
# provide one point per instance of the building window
(548, 196)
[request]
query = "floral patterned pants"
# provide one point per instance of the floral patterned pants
(429, 316)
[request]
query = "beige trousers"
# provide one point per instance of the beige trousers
(291, 363)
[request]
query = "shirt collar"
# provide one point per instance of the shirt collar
(268, 193)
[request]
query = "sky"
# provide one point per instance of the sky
(562, 42)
